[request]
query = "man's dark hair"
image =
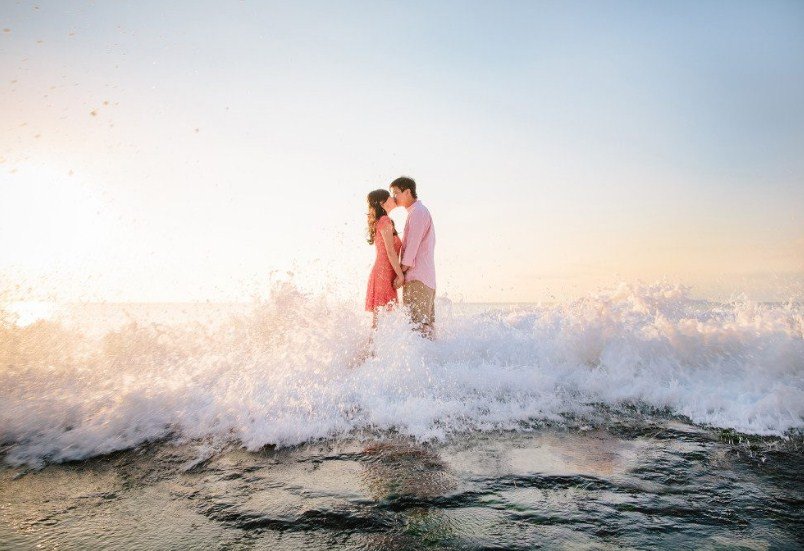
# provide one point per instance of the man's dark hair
(404, 183)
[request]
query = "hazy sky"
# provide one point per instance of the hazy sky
(185, 150)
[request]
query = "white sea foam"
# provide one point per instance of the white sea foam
(285, 372)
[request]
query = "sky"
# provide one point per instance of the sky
(184, 151)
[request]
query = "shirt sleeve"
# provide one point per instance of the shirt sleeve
(416, 228)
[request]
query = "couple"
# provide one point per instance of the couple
(408, 263)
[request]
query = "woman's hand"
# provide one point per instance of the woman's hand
(399, 281)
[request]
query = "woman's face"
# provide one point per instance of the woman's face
(389, 204)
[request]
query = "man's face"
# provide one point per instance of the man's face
(402, 198)
(389, 204)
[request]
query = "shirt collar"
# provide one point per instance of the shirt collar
(413, 205)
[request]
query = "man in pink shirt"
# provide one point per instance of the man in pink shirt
(418, 256)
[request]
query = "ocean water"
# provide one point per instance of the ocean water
(632, 418)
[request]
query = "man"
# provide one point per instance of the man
(418, 256)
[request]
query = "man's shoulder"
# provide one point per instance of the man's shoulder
(420, 209)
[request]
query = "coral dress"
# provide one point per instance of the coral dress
(381, 281)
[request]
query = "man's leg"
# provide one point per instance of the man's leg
(420, 299)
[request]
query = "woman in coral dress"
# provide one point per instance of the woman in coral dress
(386, 275)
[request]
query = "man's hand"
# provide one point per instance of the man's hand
(399, 281)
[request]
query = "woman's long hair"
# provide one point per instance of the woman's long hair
(375, 199)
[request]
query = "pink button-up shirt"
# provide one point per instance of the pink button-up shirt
(418, 245)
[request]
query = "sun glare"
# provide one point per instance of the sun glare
(25, 313)
(48, 219)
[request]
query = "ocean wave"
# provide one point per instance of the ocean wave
(298, 367)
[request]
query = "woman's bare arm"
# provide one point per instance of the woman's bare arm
(387, 233)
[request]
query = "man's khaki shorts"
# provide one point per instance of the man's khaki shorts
(420, 299)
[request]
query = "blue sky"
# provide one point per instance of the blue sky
(560, 145)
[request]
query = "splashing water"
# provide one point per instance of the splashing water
(297, 368)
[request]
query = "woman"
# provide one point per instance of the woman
(386, 275)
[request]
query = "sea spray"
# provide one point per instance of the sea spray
(298, 367)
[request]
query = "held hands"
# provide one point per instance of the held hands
(399, 281)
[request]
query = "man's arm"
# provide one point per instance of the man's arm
(413, 238)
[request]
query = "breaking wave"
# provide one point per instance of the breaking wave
(298, 367)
